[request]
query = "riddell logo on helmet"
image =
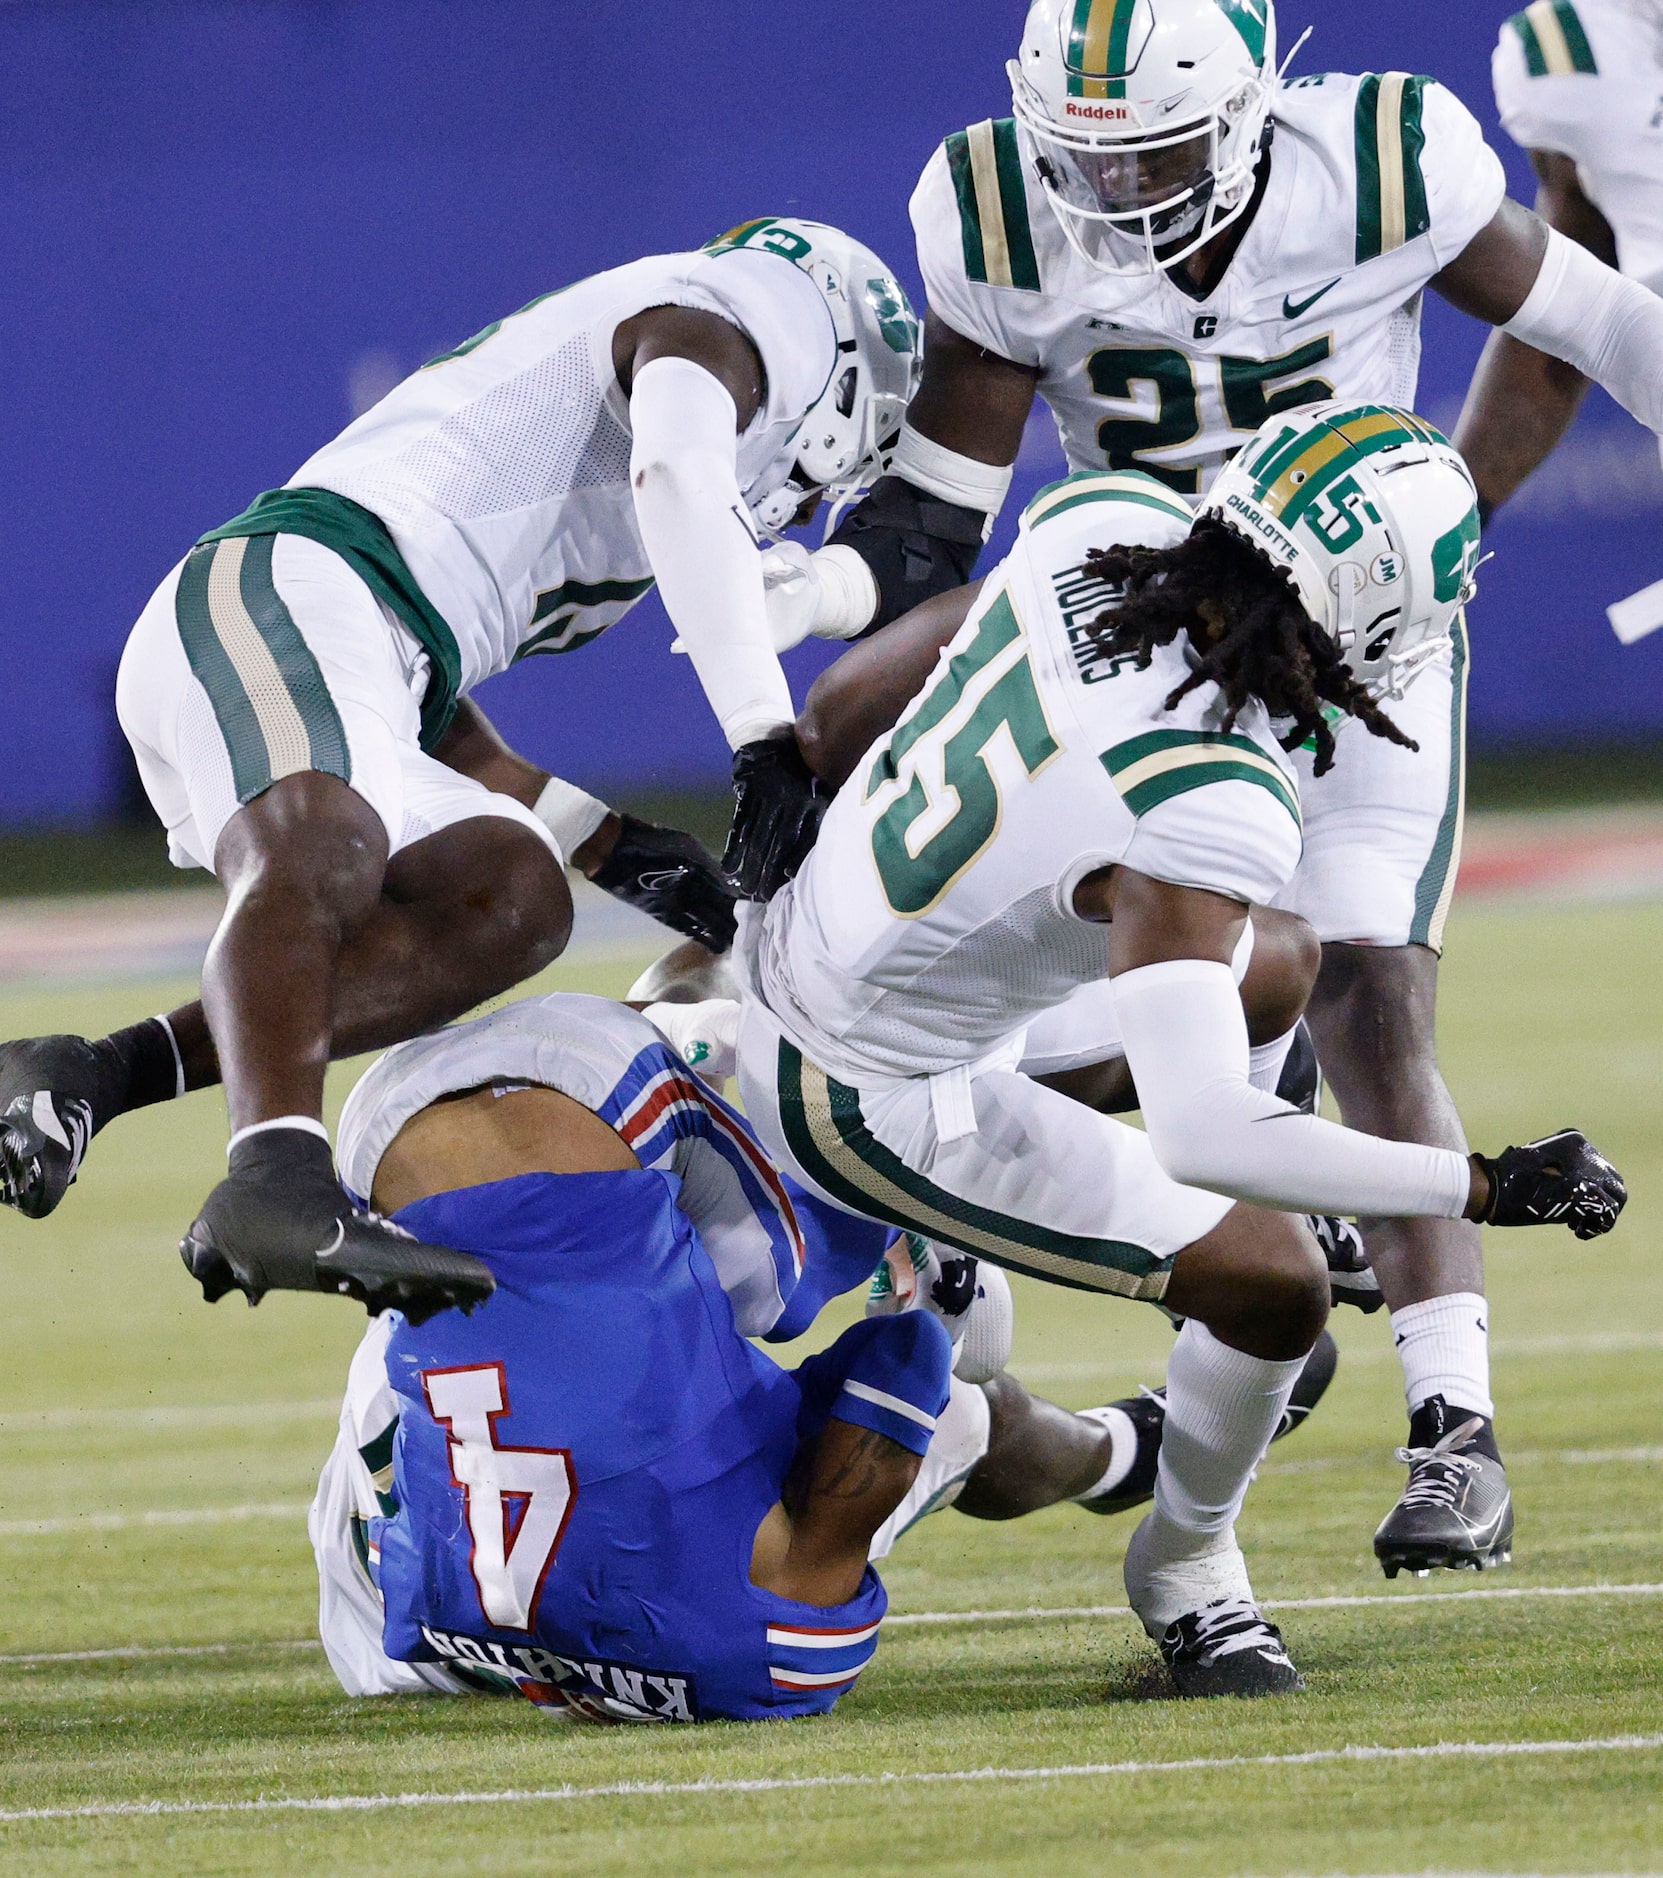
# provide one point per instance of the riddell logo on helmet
(1098, 113)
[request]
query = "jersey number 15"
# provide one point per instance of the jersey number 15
(931, 831)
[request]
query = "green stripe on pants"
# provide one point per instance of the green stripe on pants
(828, 1134)
(1436, 886)
(268, 694)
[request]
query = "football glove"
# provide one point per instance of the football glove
(674, 878)
(777, 807)
(1562, 1179)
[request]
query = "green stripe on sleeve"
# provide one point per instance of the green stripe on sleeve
(1368, 168)
(1162, 764)
(1094, 486)
(1576, 40)
(1535, 60)
(1013, 205)
(970, 218)
(1417, 218)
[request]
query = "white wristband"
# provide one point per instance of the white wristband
(568, 814)
(961, 480)
(306, 1124)
(848, 594)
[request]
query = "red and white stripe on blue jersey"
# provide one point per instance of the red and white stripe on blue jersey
(658, 1101)
(809, 1661)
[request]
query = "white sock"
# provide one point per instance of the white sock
(1265, 1061)
(1124, 1435)
(1222, 1407)
(1444, 1344)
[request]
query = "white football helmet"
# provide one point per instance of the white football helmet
(847, 436)
(1373, 515)
(1144, 120)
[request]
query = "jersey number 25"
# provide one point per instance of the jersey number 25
(519, 1499)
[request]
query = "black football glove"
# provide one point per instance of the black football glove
(777, 805)
(1562, 1179)
(674, 878)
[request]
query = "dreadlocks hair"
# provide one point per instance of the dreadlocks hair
(1269, 648)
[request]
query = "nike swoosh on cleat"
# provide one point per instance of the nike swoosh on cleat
(335, 1244)
(1291, 310)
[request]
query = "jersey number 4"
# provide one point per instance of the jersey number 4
(519, 1500)
(929, 832)
(1244, 385)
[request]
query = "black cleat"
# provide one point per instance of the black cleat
(1147, 1411)
(1456, 1513)
(280, 1221)
(49, 1088)
(1229, 1648)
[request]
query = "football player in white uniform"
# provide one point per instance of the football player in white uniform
(1580, 86)
(289, 689)
(1169, 245)
(1090, 786)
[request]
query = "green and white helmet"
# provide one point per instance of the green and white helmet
(1373, 515)
(848, 434)
(1144, 120)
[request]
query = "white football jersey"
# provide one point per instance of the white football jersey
(502, 469)
(1375, 183)
(1586, 81)
(934, 918)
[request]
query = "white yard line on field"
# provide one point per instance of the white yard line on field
(1032, 1613)
(159, 1516)
(667, 1789)
(170, 1415)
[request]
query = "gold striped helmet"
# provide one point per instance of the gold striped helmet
(1144, 120)
(1372, 514)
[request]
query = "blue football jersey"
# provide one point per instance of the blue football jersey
(581, 1465)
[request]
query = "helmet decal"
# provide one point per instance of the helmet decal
(1372, 516)
(896, 319)
(763, 232)
(1249, 19)
(1455, 557)
(1098, 38)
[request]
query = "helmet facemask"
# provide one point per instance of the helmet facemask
(1137, 201)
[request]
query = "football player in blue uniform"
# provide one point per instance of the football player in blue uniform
(594, 1490)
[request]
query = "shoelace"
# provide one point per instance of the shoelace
(1437, 1474)
(1233, 1625)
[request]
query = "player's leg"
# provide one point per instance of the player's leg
(267, 691)
(1076, 1047)
(1041, 1184)
(1382, 848)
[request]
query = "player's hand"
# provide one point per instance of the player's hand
(776, 815)
(673, 877)
(1562, 1179)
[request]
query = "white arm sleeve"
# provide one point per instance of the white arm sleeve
(1586, 313)
(1186, 1046)
(694, 526)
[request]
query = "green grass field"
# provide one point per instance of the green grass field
(158, 1454)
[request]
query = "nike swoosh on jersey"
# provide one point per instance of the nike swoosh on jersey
(1292, 310)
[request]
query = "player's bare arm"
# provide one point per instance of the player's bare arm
(663, 872)
(813, 1545)
(1521, 401)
